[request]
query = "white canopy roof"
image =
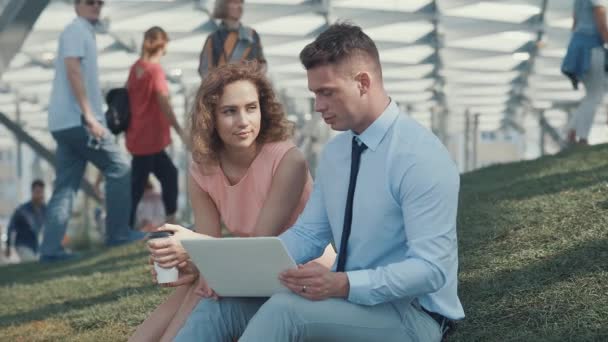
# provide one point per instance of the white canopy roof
(493, 57)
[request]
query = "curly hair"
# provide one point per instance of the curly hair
(204, 138)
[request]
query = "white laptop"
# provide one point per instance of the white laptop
(241, 267)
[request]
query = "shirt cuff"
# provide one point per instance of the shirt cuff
(360, 283)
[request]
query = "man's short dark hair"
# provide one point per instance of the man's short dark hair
(338, 43)
(37, 183)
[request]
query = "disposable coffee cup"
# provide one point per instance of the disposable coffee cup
(164, 275)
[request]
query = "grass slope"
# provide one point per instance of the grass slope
(533, 259)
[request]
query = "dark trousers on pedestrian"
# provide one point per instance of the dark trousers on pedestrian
(165, 171)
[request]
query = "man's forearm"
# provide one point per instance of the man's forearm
(407, 278)
(75, 78)
(303, 247)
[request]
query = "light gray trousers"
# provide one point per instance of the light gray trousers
(289, 317)
(593, 80)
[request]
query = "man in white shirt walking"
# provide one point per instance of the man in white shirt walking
(77, 123)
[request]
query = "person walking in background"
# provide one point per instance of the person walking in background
(26, 225)
(584, 62)
(232, 42)
(77, 124)
(151, 119)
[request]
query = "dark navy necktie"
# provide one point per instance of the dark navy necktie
(348, 212)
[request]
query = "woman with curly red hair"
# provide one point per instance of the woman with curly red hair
(245, 173)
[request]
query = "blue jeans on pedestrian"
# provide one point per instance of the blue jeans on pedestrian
(73, 153)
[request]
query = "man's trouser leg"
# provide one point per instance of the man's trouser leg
(69, 168)
(289, 317)
(219, 321)
(115, 168)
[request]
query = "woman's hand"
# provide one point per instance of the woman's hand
(180, 232)
(169, 252)
(188, 274)
(203, 290)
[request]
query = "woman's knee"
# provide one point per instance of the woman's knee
(203, 321)
(207, 307)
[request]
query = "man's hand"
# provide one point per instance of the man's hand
(95, 128)
(315, 282)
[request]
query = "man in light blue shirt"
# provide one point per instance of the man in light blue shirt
(386, 194)
(76, 44)
(77, 124)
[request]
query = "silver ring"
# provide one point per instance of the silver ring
(303, 288)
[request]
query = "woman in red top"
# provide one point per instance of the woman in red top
(151, 119)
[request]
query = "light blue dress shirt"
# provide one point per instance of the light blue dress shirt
(403, 244)
(76, 40)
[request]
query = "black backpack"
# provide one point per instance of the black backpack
(118, 114)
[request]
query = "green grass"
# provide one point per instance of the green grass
(533, 239)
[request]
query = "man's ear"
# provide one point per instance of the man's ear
(364, 82)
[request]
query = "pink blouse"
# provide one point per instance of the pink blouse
(240, 204)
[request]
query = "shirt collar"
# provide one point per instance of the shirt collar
(87, 23)
(373, 135)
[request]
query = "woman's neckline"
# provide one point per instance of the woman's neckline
(227, 181)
